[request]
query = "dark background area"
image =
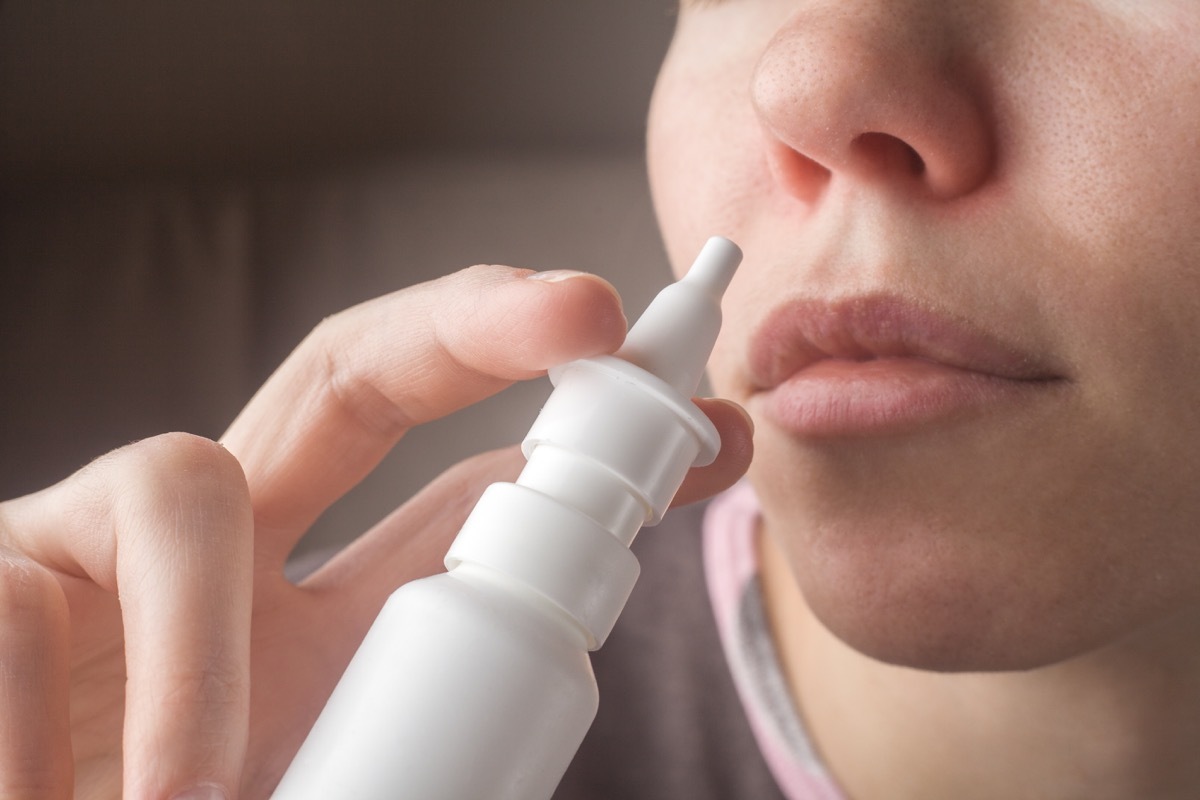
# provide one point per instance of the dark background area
(186, 189)
(138, 85)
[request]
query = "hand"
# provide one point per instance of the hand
(149, 642)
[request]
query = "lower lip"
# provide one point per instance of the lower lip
(838, 398)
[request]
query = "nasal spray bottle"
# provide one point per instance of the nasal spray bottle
(476, 684)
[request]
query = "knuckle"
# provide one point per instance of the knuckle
(184, 451)
(179, 489)
(347, 362)
(487, 273)
(327, 328)
(333, 331)
(357, 394)
(181, 468)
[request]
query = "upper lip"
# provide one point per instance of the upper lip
(804, 331)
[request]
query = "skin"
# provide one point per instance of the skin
(149, 642)
(1003, 602)
(1000, 604)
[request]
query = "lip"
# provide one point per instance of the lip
(881, 363)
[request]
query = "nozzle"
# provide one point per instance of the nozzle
(673, 338)
(715, 266)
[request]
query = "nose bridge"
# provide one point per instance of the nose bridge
(872, 91)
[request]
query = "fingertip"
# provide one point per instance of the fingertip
(519, 324)
(584, 312)
(736, 430)
(736, 427)
(522, 322)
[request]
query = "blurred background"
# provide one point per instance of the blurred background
(187, 188)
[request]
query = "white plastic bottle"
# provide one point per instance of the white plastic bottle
(476, 684)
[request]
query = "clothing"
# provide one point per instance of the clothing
(732, 571)
(672, 721)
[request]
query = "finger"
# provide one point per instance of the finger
(363, 377)
(35, 723)
(737, 448)
(165, 524)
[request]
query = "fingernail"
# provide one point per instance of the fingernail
(208, 791)
(556, 275)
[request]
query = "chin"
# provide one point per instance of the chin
(932, 603)
(934, 643)
(917, 551)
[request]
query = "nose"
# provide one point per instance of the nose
(874, 92)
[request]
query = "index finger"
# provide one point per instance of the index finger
(363, 377)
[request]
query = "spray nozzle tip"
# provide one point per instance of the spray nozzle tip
(715, 266)
(675, 335)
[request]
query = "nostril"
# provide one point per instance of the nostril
(888, 153)
(800, 175)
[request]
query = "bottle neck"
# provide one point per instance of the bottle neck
(550, 548)
(586, 486)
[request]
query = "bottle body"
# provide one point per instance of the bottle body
(499, 679)
(477, 683)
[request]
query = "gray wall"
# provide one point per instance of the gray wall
(185, 189)
(160, 85)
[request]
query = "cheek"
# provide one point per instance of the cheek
(1112, 156)
(1111, 159)
(704, 150)
(1104, 161)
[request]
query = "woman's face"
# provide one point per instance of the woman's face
(968, 322)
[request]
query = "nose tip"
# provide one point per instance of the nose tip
(841, 97)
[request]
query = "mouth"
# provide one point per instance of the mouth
(880, 364)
